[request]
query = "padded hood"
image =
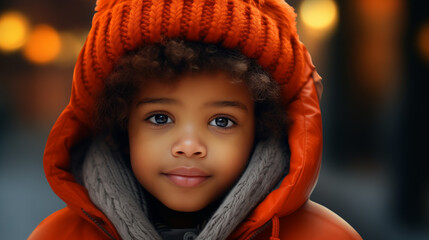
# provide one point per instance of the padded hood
(264, 30)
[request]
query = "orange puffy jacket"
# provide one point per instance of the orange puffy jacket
(264, 30)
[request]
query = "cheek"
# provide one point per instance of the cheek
(140, 159)
(237, 153)
(146, 155)
(231, 159)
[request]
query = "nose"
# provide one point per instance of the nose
(189, 146)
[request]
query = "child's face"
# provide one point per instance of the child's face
(190, 141)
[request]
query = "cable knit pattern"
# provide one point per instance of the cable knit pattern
(113, 189)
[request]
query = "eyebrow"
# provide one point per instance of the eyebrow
(236, 104)
(157, 100)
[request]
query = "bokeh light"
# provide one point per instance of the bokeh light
(379, 9)
(73, 42)
(423, 41)
(14, 29)
(319, 14)
(43, 46)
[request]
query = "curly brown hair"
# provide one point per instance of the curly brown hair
(171, 58)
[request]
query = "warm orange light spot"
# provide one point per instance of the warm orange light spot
(380, 8)
(13, 31)
(43, 45)
(73, 42)
(319, 14)
(423, 41)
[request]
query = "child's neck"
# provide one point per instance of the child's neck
(175, 219)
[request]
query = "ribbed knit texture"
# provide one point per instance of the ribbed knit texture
(264, 30)
(113, 188)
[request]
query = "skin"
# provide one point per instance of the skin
(202, 121)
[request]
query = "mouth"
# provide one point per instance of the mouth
(187, 176)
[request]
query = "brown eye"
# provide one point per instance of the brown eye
(222, 122)
(159, 119)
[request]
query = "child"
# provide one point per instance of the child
(190, 119)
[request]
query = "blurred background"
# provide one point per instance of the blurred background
(372, 55)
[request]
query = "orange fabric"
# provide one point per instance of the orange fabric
(309, 222)
(264, 30)
(324, 224)
(276, 228)
(66, 224)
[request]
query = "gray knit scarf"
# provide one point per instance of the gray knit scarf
(113, 188)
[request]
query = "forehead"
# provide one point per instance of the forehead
(198, 88)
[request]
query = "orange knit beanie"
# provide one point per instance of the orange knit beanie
(261, 29)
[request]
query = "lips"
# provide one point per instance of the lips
(187, 176)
